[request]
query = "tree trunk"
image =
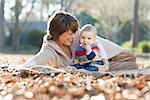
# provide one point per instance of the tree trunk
(2, 25)
(16, 33)
(135, 24)
(16, 30)
(16, 37)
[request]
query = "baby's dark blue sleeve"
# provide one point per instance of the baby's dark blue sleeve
(91, 55)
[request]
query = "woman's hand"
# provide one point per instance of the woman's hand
(103, 68)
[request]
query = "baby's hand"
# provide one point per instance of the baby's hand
(86, 46)
(84, 43)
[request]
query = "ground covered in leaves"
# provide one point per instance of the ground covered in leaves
(20, 86)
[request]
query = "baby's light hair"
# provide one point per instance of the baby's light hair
(90, 28)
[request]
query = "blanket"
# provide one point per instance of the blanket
(39, 69)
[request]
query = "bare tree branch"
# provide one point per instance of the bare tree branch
(28, 13)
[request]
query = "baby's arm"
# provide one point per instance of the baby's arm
(91, 54)
(101, 68)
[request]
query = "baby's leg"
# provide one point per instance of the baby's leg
(78, 66)
(91, 67)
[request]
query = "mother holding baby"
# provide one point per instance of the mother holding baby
(62, 39)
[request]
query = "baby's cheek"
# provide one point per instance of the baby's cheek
(81, 41)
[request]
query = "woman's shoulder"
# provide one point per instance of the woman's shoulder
(48, 46)
(51, 47)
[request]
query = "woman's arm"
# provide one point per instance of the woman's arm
(41, 58)
(105, 67)
(110, 48)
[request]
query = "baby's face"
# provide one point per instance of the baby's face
(86, 37)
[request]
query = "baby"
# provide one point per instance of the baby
(90, 55)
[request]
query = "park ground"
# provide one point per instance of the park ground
(67, 86)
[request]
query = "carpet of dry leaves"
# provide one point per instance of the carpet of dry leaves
(67, 86)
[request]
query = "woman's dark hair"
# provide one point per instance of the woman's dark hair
(61, 22)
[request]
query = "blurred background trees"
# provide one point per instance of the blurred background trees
(125, 22)
(2, 22)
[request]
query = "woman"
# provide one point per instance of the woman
(62, 39)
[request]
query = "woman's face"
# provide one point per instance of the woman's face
(66, 38)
